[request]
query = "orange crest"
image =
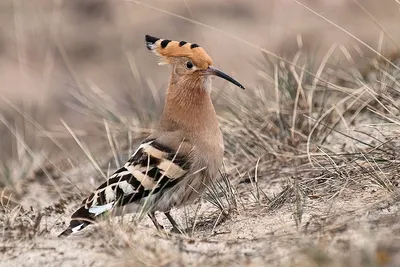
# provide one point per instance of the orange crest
(167, 49)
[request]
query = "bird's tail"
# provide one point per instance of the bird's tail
(79, 220)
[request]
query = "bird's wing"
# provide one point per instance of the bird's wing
(156, 165)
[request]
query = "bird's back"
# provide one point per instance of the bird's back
(166, 171)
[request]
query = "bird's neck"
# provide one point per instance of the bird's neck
(188, 107)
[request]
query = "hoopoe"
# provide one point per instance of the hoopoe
(173, 165)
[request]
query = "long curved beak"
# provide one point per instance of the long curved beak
(214, 71)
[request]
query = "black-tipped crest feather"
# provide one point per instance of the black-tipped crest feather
(150, 40)
(164, 43)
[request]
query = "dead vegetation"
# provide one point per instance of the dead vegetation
(310, 177)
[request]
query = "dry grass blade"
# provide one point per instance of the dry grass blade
(85, 150)
(221, 194)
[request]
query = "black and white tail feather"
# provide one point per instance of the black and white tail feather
(152, 169)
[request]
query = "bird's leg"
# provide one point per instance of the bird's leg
(175, 226)
(154, 220)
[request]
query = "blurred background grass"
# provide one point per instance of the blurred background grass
(52, 51)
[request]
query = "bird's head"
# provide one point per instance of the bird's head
(191, 65)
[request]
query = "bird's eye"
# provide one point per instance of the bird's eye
(189, 65)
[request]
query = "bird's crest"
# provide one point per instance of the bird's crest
(168, 49)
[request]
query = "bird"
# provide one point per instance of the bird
(172, 166)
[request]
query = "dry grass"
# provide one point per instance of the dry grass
(310, 174)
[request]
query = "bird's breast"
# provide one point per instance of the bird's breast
(210, 152)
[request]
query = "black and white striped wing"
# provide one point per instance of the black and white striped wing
(153, 167)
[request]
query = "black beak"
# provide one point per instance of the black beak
(217, 72)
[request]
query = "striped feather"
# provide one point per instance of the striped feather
(151, 168)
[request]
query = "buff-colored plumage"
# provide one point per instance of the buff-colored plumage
(172, 166)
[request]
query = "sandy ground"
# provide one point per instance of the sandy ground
(355, 227)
